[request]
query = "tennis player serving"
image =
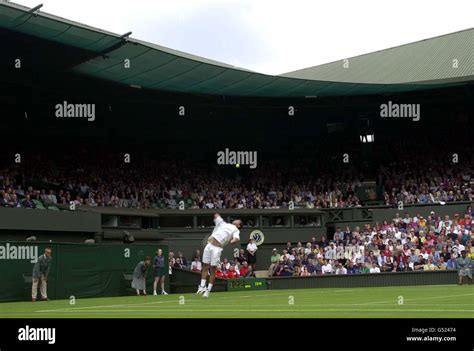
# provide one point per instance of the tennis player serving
(222, 235)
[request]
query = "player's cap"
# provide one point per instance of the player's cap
(274, 249)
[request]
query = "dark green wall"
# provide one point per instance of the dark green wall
(185, 281)
(77, 270)
(48, 220)
(365, 280)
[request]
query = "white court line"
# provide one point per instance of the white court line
(121, 305)
(197, 304)
(273, 310)
(157, 302)
(233, 297)
(410, 299)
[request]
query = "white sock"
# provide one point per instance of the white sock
(209, 287)
(154, 291)
(203, 283)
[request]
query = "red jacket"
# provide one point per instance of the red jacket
(221, 274)
(243, 271)
(232, 274)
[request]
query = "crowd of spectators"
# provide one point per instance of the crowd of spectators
(164, 184)
(412, 178)
(406, 243)
(238, 268)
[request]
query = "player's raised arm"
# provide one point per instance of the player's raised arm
(218, 219)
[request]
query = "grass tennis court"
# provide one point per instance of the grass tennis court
(447, 301)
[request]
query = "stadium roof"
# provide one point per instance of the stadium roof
(419, 66)
(426, 61)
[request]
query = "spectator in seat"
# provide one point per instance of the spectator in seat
(318, 264)
(242, 256)
(3, 200)
(374, 268)
(27, 203)
(274, 259)
(451, 264)
(419, 264)
(441, 265)
(180, 261)
(326, 268)
(220, 273)
(225, 264)
(232, 273)
(13, 202)
(197, 254)
(396, 267)
(237, 265)
(351, 269)
(308, 250)
(341, 269)
(310, 267)
(364, 267)
(244, 270)
(50, 198)
(196, 265)
(429, 266)
(285, 272)
(304, 272)
(297, 271)
(389, 263)
(171, 261)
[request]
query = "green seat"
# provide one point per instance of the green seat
(39, 205)
(54, 208)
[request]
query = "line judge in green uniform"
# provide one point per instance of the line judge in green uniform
(139, 275)
(40, 275)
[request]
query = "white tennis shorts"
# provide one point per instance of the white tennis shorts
(212, 254)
